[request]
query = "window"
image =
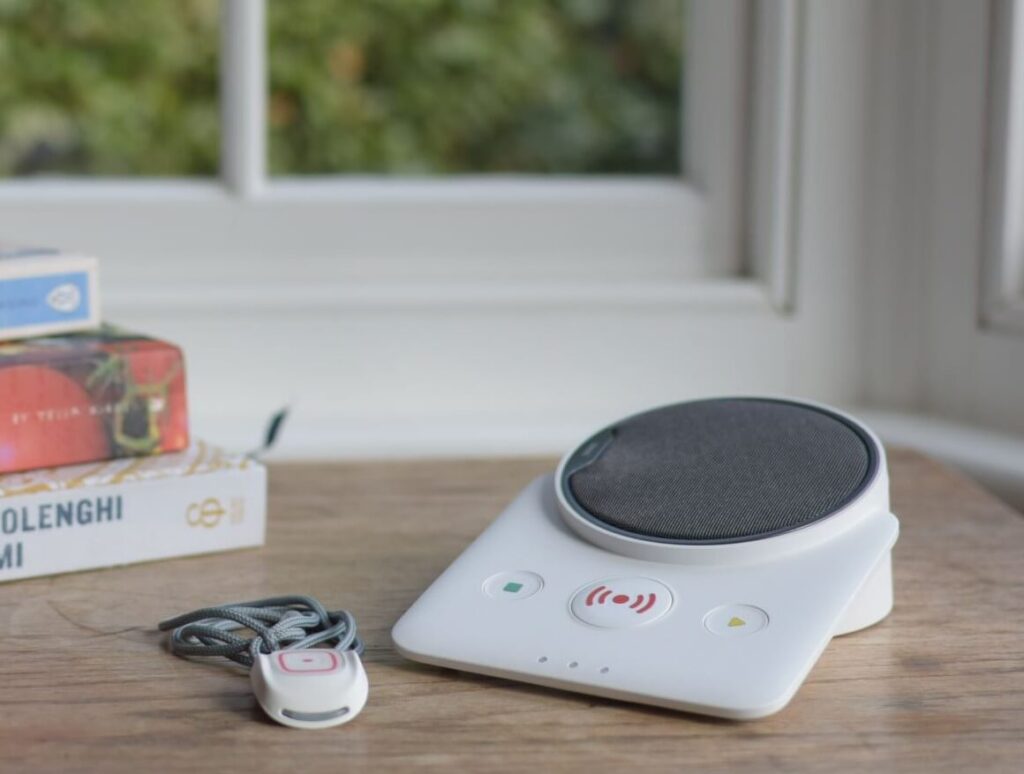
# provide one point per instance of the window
(1003, 274)
(443, 267)
(357, 155)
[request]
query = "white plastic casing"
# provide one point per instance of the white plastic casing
(316, 688)
(745, 623)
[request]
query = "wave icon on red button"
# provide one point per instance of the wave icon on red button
(640, 604)
(621, 603)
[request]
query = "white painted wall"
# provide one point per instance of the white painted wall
(946, 379)
(927, 342)
(975, 371)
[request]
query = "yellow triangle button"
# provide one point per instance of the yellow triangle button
(736, 621)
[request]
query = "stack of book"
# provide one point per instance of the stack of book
(96, 466)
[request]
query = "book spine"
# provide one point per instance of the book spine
(90, 527)
(47, 295)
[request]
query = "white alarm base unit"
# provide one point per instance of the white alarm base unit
(698, 557)
(683, 656)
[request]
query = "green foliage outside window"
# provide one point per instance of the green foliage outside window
(433, 86)
(108, 87)
(129, 87)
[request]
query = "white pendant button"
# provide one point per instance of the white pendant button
(621, 603)
(312, 688)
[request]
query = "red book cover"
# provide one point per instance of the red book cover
(89, 396)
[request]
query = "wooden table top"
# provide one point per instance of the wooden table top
(88, 685)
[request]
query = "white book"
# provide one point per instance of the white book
(131, 510)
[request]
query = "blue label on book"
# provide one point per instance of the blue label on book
(51, 298)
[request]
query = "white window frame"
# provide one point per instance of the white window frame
(1002, 285)
(342, 241)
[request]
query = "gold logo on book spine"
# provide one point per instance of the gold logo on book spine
(207, 513)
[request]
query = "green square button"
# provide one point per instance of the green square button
(513, 586)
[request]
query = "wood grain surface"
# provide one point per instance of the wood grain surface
(87, 684)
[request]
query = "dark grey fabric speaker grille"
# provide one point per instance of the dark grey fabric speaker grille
(719, 471)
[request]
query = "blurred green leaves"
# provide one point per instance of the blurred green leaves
(129, 87)
(108, 87)
(443, 86)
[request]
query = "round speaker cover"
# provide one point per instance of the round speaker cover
(719, 471)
